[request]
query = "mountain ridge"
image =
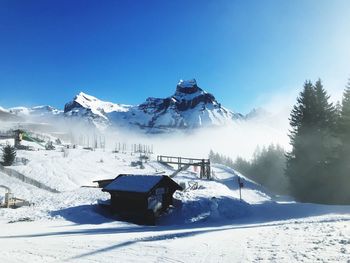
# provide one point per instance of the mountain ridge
(188, 108)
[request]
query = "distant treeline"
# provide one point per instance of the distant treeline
(317, 169)
(266, 167)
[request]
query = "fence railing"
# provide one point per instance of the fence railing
(12, 173)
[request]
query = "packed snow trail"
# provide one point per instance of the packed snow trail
(324, 239)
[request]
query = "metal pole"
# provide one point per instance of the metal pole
(240, 188)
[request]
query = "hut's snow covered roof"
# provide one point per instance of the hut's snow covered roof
(133, 183)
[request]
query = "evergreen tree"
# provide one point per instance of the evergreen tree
(326, 148)
(243, 166)
(266, 167)
(211, 155)
(270, 166)
(344, 120)
(299, 121)
(8, 155)
(342, 164)
(313, 144)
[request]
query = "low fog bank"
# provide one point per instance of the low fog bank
(266, 126)
(238, 139)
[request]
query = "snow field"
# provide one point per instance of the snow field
(208, 224)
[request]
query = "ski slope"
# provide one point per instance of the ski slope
(208, 224)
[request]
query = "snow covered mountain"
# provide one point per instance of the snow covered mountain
(189, 107)
(37, 111)
(257, 113)
(93, 110)
(5, 115)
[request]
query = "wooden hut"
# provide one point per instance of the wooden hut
(141, 196)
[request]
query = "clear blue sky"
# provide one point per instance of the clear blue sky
(125, 51)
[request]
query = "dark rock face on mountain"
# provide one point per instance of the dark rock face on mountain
(71, 106)
(190, 95)
(189, 107)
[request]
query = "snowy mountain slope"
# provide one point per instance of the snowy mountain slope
(208, 224)
(253, 192)
(87, 107)
(34, 117)
(36, 111)
(6, 115)
(96, 106)
(79, 167)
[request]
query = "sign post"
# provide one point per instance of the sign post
(240, 185)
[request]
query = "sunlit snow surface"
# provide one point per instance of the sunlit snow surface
(209, 224)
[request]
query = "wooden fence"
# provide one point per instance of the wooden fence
(12, 173)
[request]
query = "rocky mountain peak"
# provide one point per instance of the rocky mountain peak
(189, 107)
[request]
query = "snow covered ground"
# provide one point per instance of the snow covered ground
(208, 224)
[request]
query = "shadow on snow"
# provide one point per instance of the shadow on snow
(258, 215)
